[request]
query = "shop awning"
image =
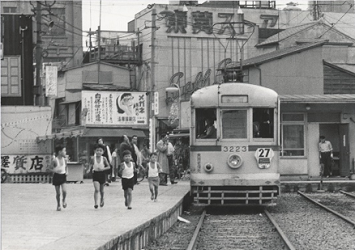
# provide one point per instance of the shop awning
(113, 132)
(65, 134)
(334, 98)
(94, 132)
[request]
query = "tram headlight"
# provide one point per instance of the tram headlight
(234, 161)
(208, 167)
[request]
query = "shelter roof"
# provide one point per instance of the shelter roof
(333, 98)
(277, 54)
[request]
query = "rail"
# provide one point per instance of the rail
(328, 209)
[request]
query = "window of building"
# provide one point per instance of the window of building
(263, 123)
(234, 124)
(292, 130)
(10, 10)
(11, 76)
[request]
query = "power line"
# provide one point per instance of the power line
(336, 21)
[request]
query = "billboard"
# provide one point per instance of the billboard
(114, 108)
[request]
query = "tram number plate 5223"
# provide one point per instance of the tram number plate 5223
(234, 148)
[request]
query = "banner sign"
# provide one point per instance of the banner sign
(51, 81)
(115, 108)
(23, 164)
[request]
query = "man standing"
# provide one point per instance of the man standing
(326, 155)
(170, 155)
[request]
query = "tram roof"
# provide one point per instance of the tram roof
(256, 95)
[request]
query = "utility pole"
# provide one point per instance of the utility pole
(315, 10)
(90, 45)
(99, 54)
(39, 99)
(99, 47)
(152, 83)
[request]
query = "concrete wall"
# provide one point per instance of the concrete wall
(290, 76)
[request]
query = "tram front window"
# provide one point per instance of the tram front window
(263, 123)
(234, 124)
(205, 123)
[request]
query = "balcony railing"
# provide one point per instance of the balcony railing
(116, 54)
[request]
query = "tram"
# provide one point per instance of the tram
(234, 145)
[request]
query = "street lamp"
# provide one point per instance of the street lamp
(174, 88)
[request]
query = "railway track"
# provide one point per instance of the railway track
(337, 204)
(239, 231)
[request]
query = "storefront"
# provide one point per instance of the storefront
(304, 118)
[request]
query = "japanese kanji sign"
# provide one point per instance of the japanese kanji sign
(115, 108)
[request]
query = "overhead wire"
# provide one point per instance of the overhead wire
(351, 6)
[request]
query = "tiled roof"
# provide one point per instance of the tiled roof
(286, 33)
(334, 98)
(277, 54)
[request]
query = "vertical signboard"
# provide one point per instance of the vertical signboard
(51, 81)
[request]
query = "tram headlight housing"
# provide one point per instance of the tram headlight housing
(208, 167)
(234, 161)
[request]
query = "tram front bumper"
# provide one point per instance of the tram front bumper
(265, 179)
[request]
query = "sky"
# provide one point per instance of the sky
(115, 14)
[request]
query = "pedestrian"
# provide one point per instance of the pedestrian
(139, 159)
(153, 169)
(60, 170)
(127, 169)
(127, 145)
(162, 149)
(107, 154)
(145, 155)
(326, 155)
(99, 164)
(171, 154)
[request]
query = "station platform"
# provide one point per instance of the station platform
(29, 219)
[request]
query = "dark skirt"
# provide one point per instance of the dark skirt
(127, 183)
(59, 179)
(99, 177)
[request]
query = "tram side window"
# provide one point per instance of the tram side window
(263, 123)
(234, 124)
(206, 123)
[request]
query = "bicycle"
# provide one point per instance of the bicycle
(141, 174)
(182, 174)
(4, 175)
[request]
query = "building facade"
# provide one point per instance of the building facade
(187, 47)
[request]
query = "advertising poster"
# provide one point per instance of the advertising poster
(115, 108)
